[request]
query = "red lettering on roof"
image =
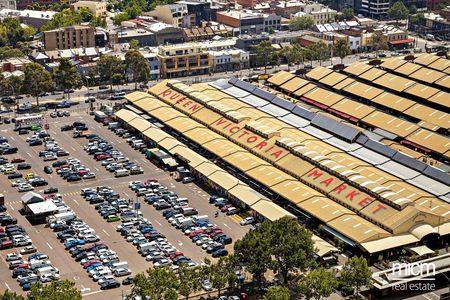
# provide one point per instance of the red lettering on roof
(252, 139)
(277, 153)
(352, 195)
(261, 145)
(187, 103)
(174, 96)
(315, 173)
(235, 129)
(340, 188)
(244, 133)
(167, 93)
(365, 201)
(221, 121)
(379, 207)
(195, 107)
(328, 181)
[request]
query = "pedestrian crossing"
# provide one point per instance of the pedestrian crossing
(70, 194)
(236, 218)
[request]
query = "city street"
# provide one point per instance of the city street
(45, 239)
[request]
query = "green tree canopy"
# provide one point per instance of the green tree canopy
(188, 281)
(356, 274)
(38, 80)
(85, 14)
(11, 32)
(110, 69)
(320, 51)
(223, 273)
(66, 17)
(398, 11)
(318, 284)
(156, 283)
(277, 292)
(379, 41)
(66, 75)
(134, 44)
(120, 17)
(137, 67)
(342, 49)
(8, 52)
(7, 295)
(301, 23)
(346, 15)
(61, 290)
(266, 54)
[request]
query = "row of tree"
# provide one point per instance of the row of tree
(61, 290)
(284, 247)
(110, 69)
(267, 55)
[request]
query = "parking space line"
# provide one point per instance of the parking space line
(226, 226)
(158, 223)
(7, 286)
(91, 293)
(106, 232)
(51, 248)
(29, 154)
(74, 200)
(11, 207)
(12, 138)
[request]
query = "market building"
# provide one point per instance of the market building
(331, 172)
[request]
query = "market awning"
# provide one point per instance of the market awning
(420, 250)
(246, 194)
(322, 247)
(270, 210)
(42, 207)
(407, 41)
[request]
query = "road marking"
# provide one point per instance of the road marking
(29, 154)
(11, 207)
(226, 226)
(13, 138)
(76, 202)
(106, 232)
(83, 288)
(73, 148)
(7, 286)
(180, 243)
(51, 248)
(158, 223)
(91, 293)
(128, 196)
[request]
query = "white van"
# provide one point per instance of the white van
(188, 211)
(102, 273)
(200, 218)
(119, 265)
(47, 270)
(121, 173)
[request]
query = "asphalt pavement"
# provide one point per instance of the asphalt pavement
(45, 239)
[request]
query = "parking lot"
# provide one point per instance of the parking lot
(45, 240)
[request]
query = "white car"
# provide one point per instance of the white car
(90, 238)
(121, 272)
(48, 157)
(25, 188)
(247, 221)
(162, 263)
(105, 278)
(13, 256)
(49, 277)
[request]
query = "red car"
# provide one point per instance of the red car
(17, 160)
(83, 172)
(226, 207)
(176, 254)
(6, 245)
(2, 229)
(92, 261)
(195, 233)
(103, 157)
(151, 180)
(216, 232)
(23, 266)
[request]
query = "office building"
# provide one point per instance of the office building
(70, 37)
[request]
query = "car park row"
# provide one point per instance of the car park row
(136, 229)
(84, 245)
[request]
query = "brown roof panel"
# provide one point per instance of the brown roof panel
(426, 59)
(393, 101)
(444, 82)
(436, 142)
(323, 96)
(343, 83)
(422, 91)
(394, 82)
(393, 63)
(363, 90)
(304, 89)
(357, 68)
(427, 75)
(353, 108)
(318, 73)
(430, 115)
(332, 78)
(440, 64)
(294, 84)
(408, 68)
(280, 78)
(442, 98)
(390, 123)
(372, 74)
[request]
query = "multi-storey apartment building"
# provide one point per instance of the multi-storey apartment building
(70, 37)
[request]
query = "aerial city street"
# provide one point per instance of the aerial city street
(230, 150)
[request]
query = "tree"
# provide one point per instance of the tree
(188, 281)
(7, 295)
(277, 292)
(223, 273)
(342, 49)
(38, 80)
(356, 274)
(137, 67)
(379, 42)
(320, 51)
(301, 23)
(398, 11)
(156, 283)
(134, 44)
(266, 54)
(8, 52)
(66, 76)
(412, 10)
(119, 18)
(253, 252)
(61, 290)
(66, 17)
(133, 10)
(85, 14)
(346, 15)
(291, 246)
(110, 69)
(417, 19)
(318, 284)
